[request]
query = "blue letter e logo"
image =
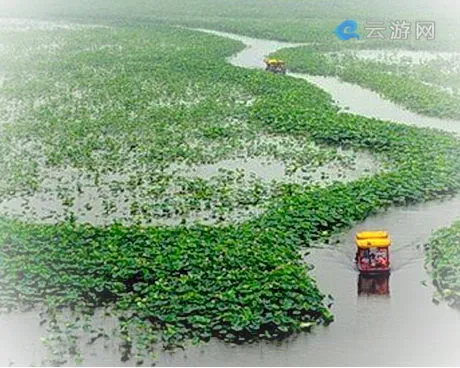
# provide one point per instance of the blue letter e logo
(347, 30)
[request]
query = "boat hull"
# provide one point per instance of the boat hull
(373, 271)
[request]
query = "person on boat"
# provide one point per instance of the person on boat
(381, 261)
(365, 254)
(372, 260)
(364, 260)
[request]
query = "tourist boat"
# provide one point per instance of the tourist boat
(373, 252)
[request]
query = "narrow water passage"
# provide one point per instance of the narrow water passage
(367, 103)
(356, 99)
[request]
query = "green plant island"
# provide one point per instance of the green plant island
(442, 261)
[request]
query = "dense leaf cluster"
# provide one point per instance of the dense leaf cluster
(236, 284)
(443, 262)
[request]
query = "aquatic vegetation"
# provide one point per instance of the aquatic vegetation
(229, 190)
(114, 135)
(425, 166)
(92, 126)
(234, 283)
(122, 115)
(442, 260)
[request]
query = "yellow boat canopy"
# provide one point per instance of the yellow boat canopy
(273, 61)
(373, 243)
(372, 239)
(372, 235)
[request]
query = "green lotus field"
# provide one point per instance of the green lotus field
(126, 152)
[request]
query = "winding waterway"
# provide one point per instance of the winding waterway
(403, 327)
(356, 99)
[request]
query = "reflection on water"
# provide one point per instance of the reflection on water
(374, 284)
